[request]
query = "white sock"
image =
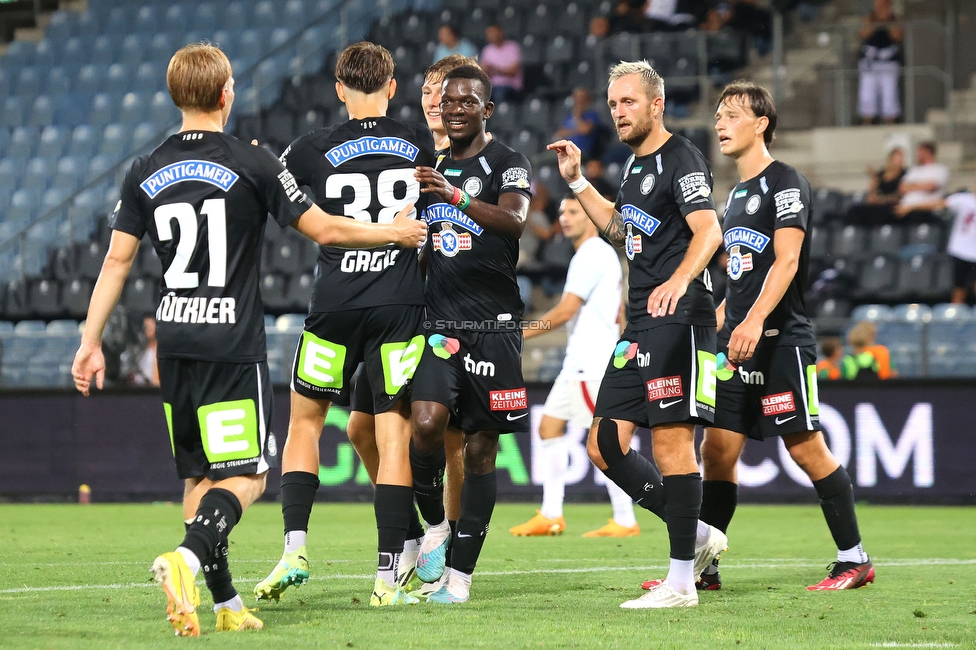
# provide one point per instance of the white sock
(387, 571)
(623, 505)
(701, 535)
(191, 558)
(294, 540)
(234, 603)
(556, 455)
(681, 576)
(411, 545)
(855, 554)
(459, 584)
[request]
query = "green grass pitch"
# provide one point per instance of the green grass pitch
(77, 577)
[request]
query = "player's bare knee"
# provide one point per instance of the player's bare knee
(480, 450)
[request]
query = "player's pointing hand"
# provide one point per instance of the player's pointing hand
(569, 157)
(411, 233)
(433, 182)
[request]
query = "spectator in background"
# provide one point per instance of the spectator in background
(539, 229)
(829, 367)
(599, 30)
(923, 185)
(450, 42)
(962, 241)
(594, 171)
(146, 370)
(884, 193)
(629, 17)
(674, 15)
(879, 66)
(749, 17)
(581, 126)
(717, 17)
(502, 60)
(868, 360)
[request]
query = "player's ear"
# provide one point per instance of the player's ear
(391, 91)
(763, 124)
(339, 93)
(489, 108)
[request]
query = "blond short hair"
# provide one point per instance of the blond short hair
(437, 72)
(652, 82)
(863, 334)
(196, 77)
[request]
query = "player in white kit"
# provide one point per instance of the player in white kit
(590, 306)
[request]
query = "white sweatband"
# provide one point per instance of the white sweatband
(579, 184)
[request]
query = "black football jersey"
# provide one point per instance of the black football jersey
(657, 192)
(364, 169)
(778, 198)
(470, 271)
(204, 197)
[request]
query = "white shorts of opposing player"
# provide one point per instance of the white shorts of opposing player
(572, 400)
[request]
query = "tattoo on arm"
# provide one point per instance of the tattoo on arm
(615, 229)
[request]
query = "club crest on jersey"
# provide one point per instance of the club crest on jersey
(752, 205)
(647, 184)
(449, 242)
(739, 263)
(472, 186)
(444, 212)
(371, 145)
(747, 237)
(188, 170)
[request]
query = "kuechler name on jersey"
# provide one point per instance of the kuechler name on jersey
(188, 170)
(445, 212)
(197, 309)
(372, 145)
(747, 237)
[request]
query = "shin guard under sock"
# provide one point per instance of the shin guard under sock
(297, 496)
(837, 502)
(719, 499)
(392, 505)
(632, 473)
(218, 513)
(428, 482)
(477, 504)
(682, 505)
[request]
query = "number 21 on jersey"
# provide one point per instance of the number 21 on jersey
(176, 276)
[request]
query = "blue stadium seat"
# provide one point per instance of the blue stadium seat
(73, 108)
(150, 77)
(236, 16)
(876, 313)
(19, 53)
(911, 313)
(57, 81)
(10, 171)
(133, 48)
(76, 50)
(264, 13)
(60, 27)
(29, 327)
(42, 112)
(98, 165)
(47, 53)
(951, 313)
(37, 174)
(175, 20)
(82, 144)
(205, 16)
(13, 112)
(162, 110)
(23, 142)
(52, 198)
(53, 142)
(104, 109)
(134, 108)
(90, 78)
(28, 83)
(105, 50)
(145, 134)
(118, 79)
(147, 19)
(162, 47)
(70, 174)
(295, 14)
(118, 20)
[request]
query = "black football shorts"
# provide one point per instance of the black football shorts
(219, 417)
(772, 394)
(387, 339)
(661, 375)
(477, 376)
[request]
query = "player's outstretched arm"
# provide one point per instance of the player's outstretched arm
(706, 238)
(786, 244)
(559, 315)
(600, 211)
(506, 219)
(329, 230)
(89, 361)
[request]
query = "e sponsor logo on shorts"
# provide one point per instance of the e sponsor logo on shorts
(508, 400)
(665, 388)
(778, 403)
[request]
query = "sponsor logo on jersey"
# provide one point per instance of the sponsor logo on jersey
(452, 172)
(636, 170)
(788, 203)
(694, 187)
(450, 242)
(639, 218)
(778, 403)
(508, 400)
(444, 212)
(472, 186)
(742, 236)
(199, 310)
(664, 388)
(188, 170)
(624, 352)
(738, 263)
(371, 145)
(741, 194)
(484, 164)
(481, 368)
(515, 177)
(752, 205)
(290, 185)
(443, 346)
(647, 184)
(633, 244)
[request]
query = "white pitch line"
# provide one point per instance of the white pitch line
(514, 572)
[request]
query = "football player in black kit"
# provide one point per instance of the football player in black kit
(662, 374)
(767, 380)
(366, 306)
(203, 198)
(472, 358)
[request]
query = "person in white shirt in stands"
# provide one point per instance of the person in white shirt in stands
(922, 185)
(592, 297)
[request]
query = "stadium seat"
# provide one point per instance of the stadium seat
(572, 20)
(510, 20)
(878, 277)
(162, 110)
(531, 50)
(911, 313)
(82, 144)
(105, 49)
(10, 171)
(540, 20)
(89, 257)
(915, 277)
(930, 234)
(57, 81)
(13, 112)
(559, 50)
(726, 50)
(28, 83)
(23, 142)
(582, 74)
(43, 298)
(294, 323)
(904, 341)
(952, 313)
(876, 313)
(53, 141)
(175, 19)
(886, 240)
(134, 108)
(162, 46)
(37, 174)
(285, 256)
(504, 118)
(849, 241)
(623, 47)
(300, 291)
(526, 142)
(104, 108)
(15, 300)
(75, 296)
(115, 141)
(140, 295)
(62, 264)
(41, 112)
(537, 114)
(273, 293)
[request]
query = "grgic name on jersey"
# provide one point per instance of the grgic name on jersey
(188, 170)
(373, 261)
(197, 309)
(371, 145)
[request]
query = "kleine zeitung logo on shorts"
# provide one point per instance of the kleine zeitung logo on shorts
(664, 387)
(508, 400)
(778, 403)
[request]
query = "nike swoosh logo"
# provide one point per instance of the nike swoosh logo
(464, 535)
(517, 417)
(665, 405)
(784, 420)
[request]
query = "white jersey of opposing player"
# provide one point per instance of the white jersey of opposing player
(595, 276)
